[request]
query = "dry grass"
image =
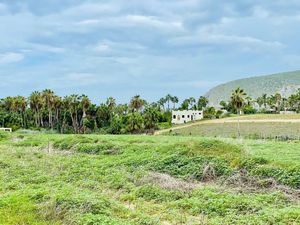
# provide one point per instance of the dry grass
(243, 182)
(168, 182)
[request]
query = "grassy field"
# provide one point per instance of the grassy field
(68, 179)
(260, 126)
(268, 117)
(267, 130)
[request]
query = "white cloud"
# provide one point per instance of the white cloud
(152, 21)
(102, 47)
(90, 9)
(46, 48)
(89, 22)
(85, 42)
(204, 38)
(10, 57)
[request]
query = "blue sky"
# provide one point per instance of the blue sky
(125, 47)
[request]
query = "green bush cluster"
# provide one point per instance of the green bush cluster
(251, 163)
(71, 142)
(3, 136)
(289, 177)
(154, 193)
(192, 167)
(91, 219)
(105, 148)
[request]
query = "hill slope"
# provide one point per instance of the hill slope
(284, 83)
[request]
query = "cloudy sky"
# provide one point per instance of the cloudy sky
(125, 47)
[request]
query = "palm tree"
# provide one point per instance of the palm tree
(66, 105)
(17, 105)
(192, 102)
(265, 100)
(85, 103)
(162, 102)
(271, 101)
(260, 102)
(202, 102)
(20, 107)
(293, 102)
(238, 100)
(34, 98)
(74, 103)
(57, 106)
(36, 104)
(8, 103)
(174, 100)
(136, 103)
(248, 101)
(168, 99)
(277, 99)
(48, 96)
(111, 103)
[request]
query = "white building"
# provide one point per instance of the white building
(180, 117)
(6, 129)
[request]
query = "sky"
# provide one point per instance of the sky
(122, 48)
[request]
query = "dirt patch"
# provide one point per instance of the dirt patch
(168, 182)
(243, 182)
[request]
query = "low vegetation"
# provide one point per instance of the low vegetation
(90, 179)
(250, 130)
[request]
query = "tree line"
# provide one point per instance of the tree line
(263, 104)
(77, 114)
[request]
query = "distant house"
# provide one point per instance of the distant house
(6, 129)
(180, 117)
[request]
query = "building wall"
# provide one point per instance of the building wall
(185, 116)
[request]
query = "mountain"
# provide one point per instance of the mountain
(283, 83)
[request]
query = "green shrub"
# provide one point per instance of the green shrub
(105, 148)
(150, 192)
(250, 163)
(3, 135)
(91, 219)
(289, 177)
(71, 142)
(193, 167)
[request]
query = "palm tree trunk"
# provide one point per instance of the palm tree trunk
(49, 118)
(41, 119)
(239, 128)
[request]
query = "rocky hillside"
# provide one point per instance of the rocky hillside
(284, 83)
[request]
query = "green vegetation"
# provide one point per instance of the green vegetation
(181, 178)
(90, 179)
(284, 83)
(251, 130)
(77, 114)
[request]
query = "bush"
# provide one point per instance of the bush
(3, 136)
(193, 167)
(289, 177)
(249, 110)
(150, 192)
(96, 148)
(251, 163)
(90, 219)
